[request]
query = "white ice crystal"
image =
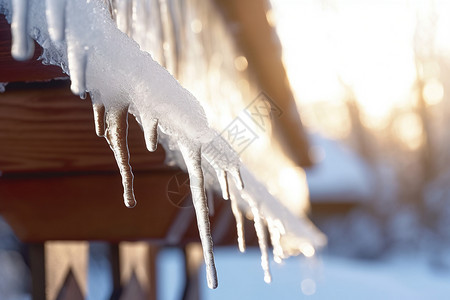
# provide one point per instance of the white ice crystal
(82, 38)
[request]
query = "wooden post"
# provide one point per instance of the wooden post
(66, 265)
(114, 261)
(193, 257)
(138, 270)
(37, 266)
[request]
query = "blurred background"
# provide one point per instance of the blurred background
(370, 80)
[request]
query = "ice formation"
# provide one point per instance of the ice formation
(82, 38)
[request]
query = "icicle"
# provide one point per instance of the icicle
(116, 135)
(192, 158)
(77, 48)
(222, 158)
(22, 44)
(150, 127)
(239, 224)
(276, 229)
(223, 182)
(123, 19)
(77, 65)
(262, 241)
(294, 230)
(99, 119)
(138, 22)
(110, 7)
(55, 11)
(237, 178)
(169, 45)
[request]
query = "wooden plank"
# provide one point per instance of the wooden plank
(138, 265)
(14, 71)
(66, 265)
(49, 129)
(87, 207)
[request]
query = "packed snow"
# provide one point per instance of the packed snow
(82, 38)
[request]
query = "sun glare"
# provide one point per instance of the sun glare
(408, 128)
(433, 91)
(330, 47)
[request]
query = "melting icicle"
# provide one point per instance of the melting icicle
(99, 119)
(237, 178)
(192, 158)
(289, 235)
(224, 160)
(22, 44)
(55, 11)
(123, 13)
(116, 135)
(77, 51)
(239, 224)
(223, 182)
(276, 229)
(77, 65)
(150, 128)
(262, 241)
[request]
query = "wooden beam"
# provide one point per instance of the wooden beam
(87, 207)
(37, 268)
(46, 128)
(260, 44)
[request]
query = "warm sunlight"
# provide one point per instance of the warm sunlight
(333, 47)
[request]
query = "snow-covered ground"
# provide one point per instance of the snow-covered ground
(330, 277)
(401, 276)
(339, 172)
